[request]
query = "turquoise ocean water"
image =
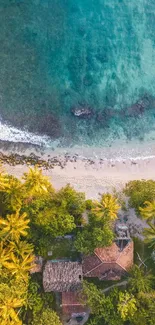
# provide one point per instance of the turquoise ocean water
(57, 55)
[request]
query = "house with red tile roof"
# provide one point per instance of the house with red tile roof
(109, 263)
(106, 263)
(71, 304)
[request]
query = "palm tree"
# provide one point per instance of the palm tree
(8, 305)
(107, 208)
(149, 234)
(3, 179)
(12, 188)
(139, 281)
(11, 322)
(4, 254)
(22, 248)
(7, 311)
(35, 182)
(14, 226)
(126, 305)
(20, 267)
(148, 212)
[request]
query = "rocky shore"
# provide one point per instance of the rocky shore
(84, 169)
(14, 159)
(32, 160)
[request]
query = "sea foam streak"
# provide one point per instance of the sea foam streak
(117, 152)
(12, 134)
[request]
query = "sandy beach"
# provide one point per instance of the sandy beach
(94, 176)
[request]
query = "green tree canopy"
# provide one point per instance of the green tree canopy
(148, 212)
(10, 303)
(11, 194)
(13, 190)
(36, 183)
(149, 234)
(4, 254)
(140, 280)
(139, 192)
(107, 208)
(126, 305)
(14, 226)
(103, 309)
(119, 307)
(99, 231)
(145, 309)
(90, 238)
(19, 267)
(47, 317)
(55, 221)
(37, 301)
(73, 201)
(50, 213)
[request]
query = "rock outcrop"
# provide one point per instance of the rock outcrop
(82, 112)
(139, 107)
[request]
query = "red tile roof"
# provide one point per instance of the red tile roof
(108, 254)
(108, 262)
(90, 262)
(71, 303)
(112, 254)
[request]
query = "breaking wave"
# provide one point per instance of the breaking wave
(12, 134)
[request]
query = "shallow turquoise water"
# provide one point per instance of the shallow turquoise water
(60, 54)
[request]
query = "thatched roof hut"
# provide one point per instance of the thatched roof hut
(62, 276)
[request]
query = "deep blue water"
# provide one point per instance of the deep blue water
(56, 55)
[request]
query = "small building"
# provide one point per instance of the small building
(60, 276)
(72, 306)
(109, 263)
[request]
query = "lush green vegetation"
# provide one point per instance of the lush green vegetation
(32, 216)
(99, 230)
(132, 305)
(139, 192)
(35, 219)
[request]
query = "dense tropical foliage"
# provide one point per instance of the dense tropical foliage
(35, 219)
(139, 192)
(99, 230)
(119, 307)
(22, 300)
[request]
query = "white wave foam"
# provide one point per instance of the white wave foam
(120, 152)
(12, 134)
(121, 159)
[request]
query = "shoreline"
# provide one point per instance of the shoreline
(118, 150)
(92, 176)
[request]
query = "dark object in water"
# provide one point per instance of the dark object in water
(105, 115)
(82, 112)
(139, 107)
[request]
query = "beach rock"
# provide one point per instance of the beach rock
(82, 112)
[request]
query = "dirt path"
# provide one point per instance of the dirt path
(123, 283)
